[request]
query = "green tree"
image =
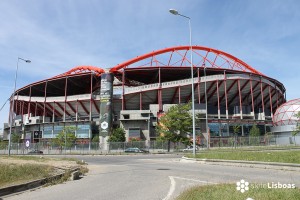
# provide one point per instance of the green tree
(96, 138)
(236, 130)
(175, 124)
(254, 133)
(66, 138)
(117, 135)
(15, 138)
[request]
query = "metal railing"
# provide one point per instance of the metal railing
(152, 146)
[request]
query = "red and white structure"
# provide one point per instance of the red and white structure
(145, 87)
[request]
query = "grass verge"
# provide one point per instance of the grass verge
(11, 174)
(264, 156)
(229, 192)
(21, 169)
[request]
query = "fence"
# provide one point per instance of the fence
(151, 146)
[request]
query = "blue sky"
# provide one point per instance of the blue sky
(58, 35)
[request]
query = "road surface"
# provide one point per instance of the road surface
(153, 177)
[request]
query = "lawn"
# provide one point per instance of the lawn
(11, 173)
(229, 192)
(284, 156)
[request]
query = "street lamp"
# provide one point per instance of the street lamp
(206, 121)
(175, 12)
(13, 103)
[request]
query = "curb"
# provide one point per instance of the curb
(37, 183)
(289, 166)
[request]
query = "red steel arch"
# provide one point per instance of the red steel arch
(208, 57)
(81, 69)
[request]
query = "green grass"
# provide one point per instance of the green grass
(229, 192)
(35, 158)
(12, 173)
(15, 173)
(264, 156)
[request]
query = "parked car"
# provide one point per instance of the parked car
(190, 148)
(135, 150)
(35, 152)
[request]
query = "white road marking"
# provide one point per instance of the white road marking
(172, 188)
(173, 185)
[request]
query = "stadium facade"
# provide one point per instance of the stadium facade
(135, 93)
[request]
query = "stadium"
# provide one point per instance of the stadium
(135, 93)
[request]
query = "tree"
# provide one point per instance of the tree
(15, 138)
(254, 133)
(65, 138)
(95, 138)
(118, 135)
(236, 130)
(175, 125)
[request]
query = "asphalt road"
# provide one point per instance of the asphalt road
(142, 177)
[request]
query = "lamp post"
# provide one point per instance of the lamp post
(206, 121)
(13, 103)
(175, 12)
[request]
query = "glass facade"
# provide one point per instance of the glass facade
(82, 131)
(47, 132)
(51, 131)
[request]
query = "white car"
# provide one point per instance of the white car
(190, 148)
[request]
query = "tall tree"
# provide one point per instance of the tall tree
(254, 131)
(236, 130)
(175, 124)
(118, 135)
(65, 138)
(15, 138)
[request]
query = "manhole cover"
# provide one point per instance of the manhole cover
(163, 169)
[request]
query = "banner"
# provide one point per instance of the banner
(106, 95)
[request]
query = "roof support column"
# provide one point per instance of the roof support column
(240, 97)
(23, 105)
(45, 99)
(35, 108)
(252, 101)
(66, 88)
(225, 92)
(76, 110)
(262, 98)
(123, 91)
(159, 95)
(179, 95)
(29, 102)
(219, 114)
(53, 112)
(91, 98)
(271, 106)
(141, 102)
(198, 86)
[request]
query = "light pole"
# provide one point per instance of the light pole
(175, 12)
(13, 103)
(206, 121)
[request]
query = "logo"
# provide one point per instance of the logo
(242, 186)
(104, 125)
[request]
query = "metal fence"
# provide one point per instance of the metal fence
(151, 146)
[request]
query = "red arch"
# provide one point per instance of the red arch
(82, 69)
(233, 62)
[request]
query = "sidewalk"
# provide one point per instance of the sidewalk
(243, 163)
